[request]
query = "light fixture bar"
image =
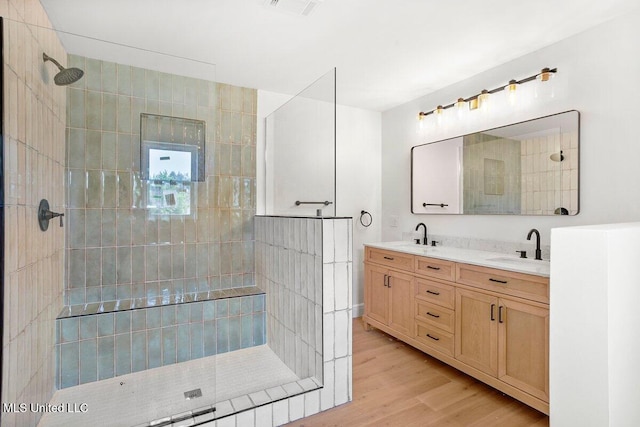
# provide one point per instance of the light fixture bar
(545, 72)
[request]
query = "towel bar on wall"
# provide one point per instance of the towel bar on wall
(326, 203)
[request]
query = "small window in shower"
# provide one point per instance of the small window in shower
(172, 159)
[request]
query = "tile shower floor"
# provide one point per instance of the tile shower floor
(141, 397)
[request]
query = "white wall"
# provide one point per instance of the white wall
(597, 75)
(594, 341)
(358, 182)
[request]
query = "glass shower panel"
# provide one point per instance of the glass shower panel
(300, 152)
(136, 292)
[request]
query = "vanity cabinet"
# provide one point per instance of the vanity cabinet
(523, 347)
(501, 336)
(389, 293)
(490, 323)
(477, 330)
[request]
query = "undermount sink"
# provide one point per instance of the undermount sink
(419, 246)
(516, 261)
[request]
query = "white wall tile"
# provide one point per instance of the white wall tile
(296, 233)
(319, 327)
(301, 286)
(327, 391)
(264, 416)
(246, 418)
(303, 331)
(311, 403)
(303, 244)
(328, 250)
(311, 276)
(317, 282)
(296, 407)
(341, 381)
(341, 274)
(281, 412)
(311, 235)
(328, 297)
(329, 336)
(341, 328)
(341, 240)
(317, 250)
(229, 421)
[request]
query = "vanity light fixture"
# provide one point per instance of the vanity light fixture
(476, 101)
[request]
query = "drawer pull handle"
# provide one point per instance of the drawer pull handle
(432, 292)
(433, 338)
(433, 268)
(493, 317)
(498, 281)
(389, 258)
(433, 315)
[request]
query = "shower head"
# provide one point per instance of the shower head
(65, 76)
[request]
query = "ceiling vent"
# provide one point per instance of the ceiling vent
(296, 7)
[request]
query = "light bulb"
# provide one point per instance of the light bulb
(460, 107)
(420, 125)
(511, 90)
(544, 84)
(483, 100)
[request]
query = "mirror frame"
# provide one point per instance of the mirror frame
(462, 178)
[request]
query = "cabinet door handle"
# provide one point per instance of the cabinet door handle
(432, 292)
(433, 338)
(433, 315)
(500, 315)
(498, 281)
(433, 268)
(389, 282)
(493, 307)
(389, 258)
(384, 282)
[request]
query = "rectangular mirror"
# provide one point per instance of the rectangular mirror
(527, 168)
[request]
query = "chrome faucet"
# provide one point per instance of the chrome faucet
(424, 239)
(538, 251)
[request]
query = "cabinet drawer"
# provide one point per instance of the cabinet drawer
(433, 267)
(437, 316)
(391, 259)
(435, 292)
(527, 286)
(434, 337)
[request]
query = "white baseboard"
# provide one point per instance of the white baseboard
(357, 310)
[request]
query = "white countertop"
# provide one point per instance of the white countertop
(470, 256)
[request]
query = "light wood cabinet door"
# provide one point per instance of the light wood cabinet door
(400, 288)
(376, 293)
(523, 347)
(476, 337)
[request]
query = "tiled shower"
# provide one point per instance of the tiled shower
(120, 290)
(146, 289)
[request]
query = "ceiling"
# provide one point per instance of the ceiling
(387, 52)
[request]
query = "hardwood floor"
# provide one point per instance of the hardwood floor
(397, 385)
